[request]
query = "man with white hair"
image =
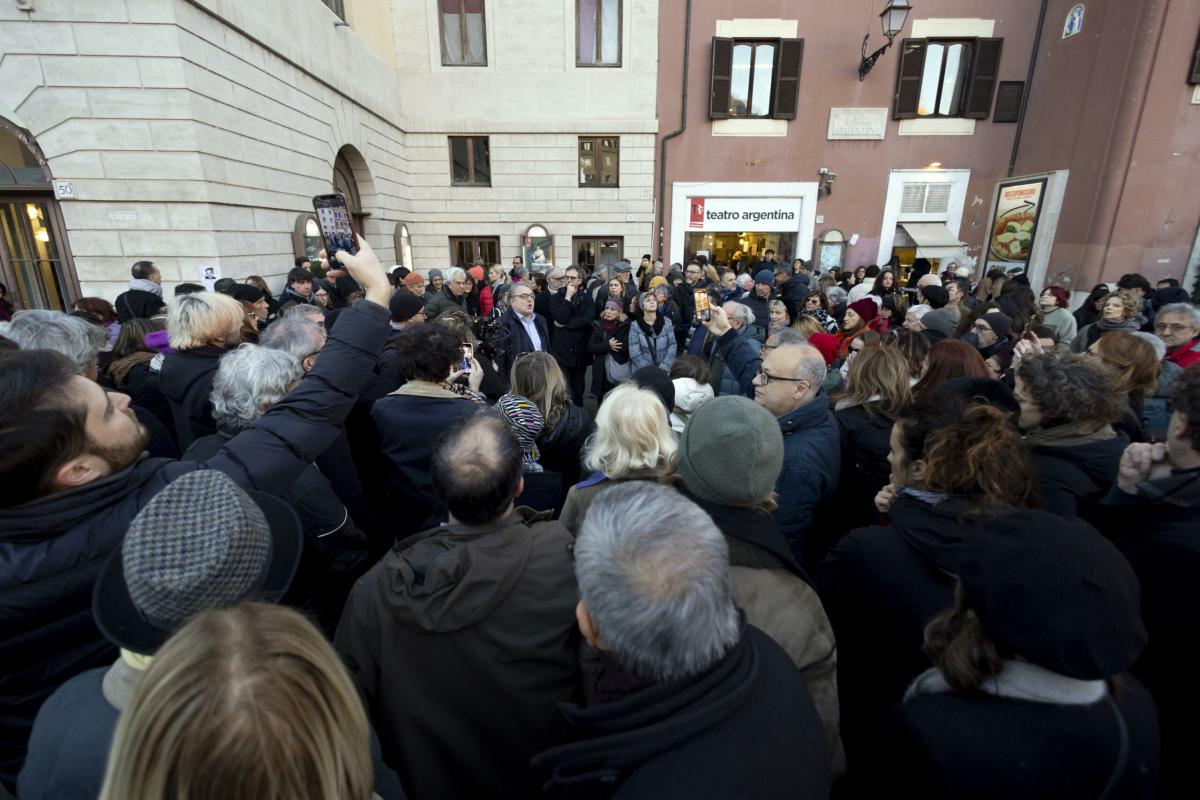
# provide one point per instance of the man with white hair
(305, 311)
(690, 701)
(787, 382)
(248, 382)
(76, 338)
(452, 297)
(300, 337)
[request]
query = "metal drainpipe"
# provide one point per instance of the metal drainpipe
(662, 157)
(1037, 43)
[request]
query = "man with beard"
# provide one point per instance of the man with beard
(74, 478)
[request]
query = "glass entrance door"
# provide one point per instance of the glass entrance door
(30, 252)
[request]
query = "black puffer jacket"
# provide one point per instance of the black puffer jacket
(51, 549)
(880, 586)
(1069, 478)
(561, 446)
(186, 379)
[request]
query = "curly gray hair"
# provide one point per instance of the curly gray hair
(1070, 387)
(249, 379)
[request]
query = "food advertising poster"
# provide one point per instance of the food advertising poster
(1014, 227)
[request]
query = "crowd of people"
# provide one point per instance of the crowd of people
(653, 531)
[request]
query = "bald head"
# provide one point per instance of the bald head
(929, 279)
(476, 469)
(791, 376)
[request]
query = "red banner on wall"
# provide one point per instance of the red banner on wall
(697, 220)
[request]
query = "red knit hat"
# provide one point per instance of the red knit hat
(826, 344)
(865, 308)
(476, 272)
(414, 279)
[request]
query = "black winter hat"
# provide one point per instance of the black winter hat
(404, 305)
(659, 382)
(1055, 592)
(975, 391)
(1171, 294)
(935, 296)
(246, 292)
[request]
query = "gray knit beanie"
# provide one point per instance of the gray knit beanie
(731, 452)
(940, 320)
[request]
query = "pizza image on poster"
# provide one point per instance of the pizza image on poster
(1014, 226)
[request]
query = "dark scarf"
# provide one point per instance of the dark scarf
(646, 329)
(610, 326)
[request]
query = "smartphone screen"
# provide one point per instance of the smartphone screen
(337, 227)
(702, 305)
(465, 364)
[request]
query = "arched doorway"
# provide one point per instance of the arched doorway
(35, 263)
(352, 178)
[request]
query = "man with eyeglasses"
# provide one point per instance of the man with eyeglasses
(1178, 325)
(527, 330)
(786, 380)
(572, 310)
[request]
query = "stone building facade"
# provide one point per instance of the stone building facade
(195, 133)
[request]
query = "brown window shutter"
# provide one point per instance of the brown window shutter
(1194, 75)
(981, 82)
(908, 81)
(787, 78)
(1008, 101)
(722, 77)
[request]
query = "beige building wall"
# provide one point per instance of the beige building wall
(195, 131)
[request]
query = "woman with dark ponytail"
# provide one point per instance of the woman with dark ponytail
(1029, 694)
(957, 462)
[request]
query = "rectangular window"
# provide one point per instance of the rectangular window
(337, 7)
(466, 249)
(598, 33)
(598, 252)
(599, 161)
(470, 161)
(755, 79)
(947, 78)
(943, 78)
(464, 42)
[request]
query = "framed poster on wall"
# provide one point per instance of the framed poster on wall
(1014, 223)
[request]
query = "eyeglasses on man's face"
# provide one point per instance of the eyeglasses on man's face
(765, 377)
(1173, 327)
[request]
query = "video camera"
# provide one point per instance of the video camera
(492, 336)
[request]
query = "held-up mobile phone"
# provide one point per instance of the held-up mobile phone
(337, 226)
(465, 364)
(703, 312)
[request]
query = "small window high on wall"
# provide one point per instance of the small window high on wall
(755, 78)
(598, 33)
(464, 38)
(947, 78)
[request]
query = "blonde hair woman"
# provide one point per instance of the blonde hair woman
(632, 442)
(538, 377)
(201, 327)
(246, 702)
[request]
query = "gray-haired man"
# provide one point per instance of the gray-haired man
(690, 700)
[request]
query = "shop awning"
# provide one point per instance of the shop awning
(934, 239)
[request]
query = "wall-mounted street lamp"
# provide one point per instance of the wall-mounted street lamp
(893, 17)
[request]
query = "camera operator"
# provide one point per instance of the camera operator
(528, 331)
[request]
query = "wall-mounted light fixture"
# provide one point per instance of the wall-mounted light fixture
(893, 17)
(825, 184)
